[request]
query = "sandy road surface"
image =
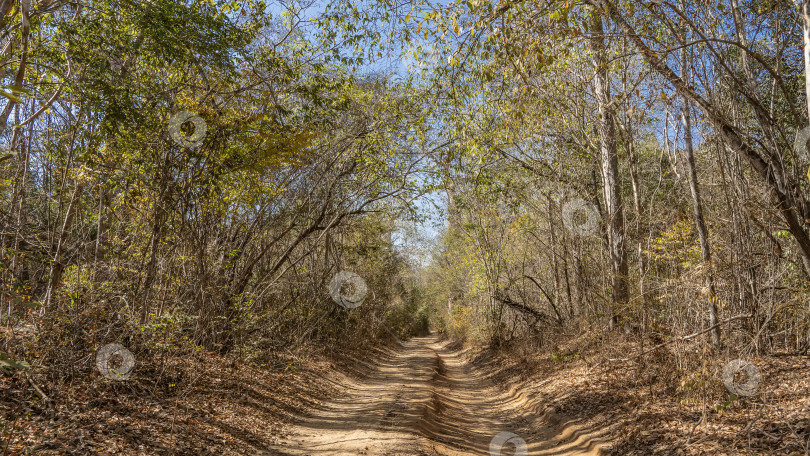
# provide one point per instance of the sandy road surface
(427, 400)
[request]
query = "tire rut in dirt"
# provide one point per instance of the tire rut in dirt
(458, 419)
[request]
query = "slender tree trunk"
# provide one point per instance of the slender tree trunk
(58, 267)
(637, 209)
(101, 228)
(19, 198)
(805, 5)
(697, 207)
(161, 203)
(784, 192)
(554, 260)
(633, 162)
(611, 185)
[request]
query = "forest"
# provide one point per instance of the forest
(376, 227)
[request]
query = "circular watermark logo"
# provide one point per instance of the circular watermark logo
(106, 356)
(195, 139)
(581, 217)
(498, 442)
(348, 289)
(116, 63)
(800, 146)
(506, 212)
(746, 371)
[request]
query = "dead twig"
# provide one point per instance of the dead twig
(693, 429)
(39, 391)
(10, 436)
(679, 339)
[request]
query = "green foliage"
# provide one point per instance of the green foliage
(563, 357)
(313, 156)
(9, 366)
(677, 245)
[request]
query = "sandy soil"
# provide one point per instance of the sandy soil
(426, 399)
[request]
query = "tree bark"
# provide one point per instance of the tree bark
(58, 267)
(783, 189)
(697, 207)
(611, 185)
(158, 222)
(805, 5)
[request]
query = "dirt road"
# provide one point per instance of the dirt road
(426, 400)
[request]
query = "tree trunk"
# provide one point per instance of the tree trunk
(101, 228)
(160, 217)
(805, 5)
(785, 195)
(554, 261)
(697, 206)
(632, 158)
(611, 185)
(58, 267)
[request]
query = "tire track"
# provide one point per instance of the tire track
(427, 400)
